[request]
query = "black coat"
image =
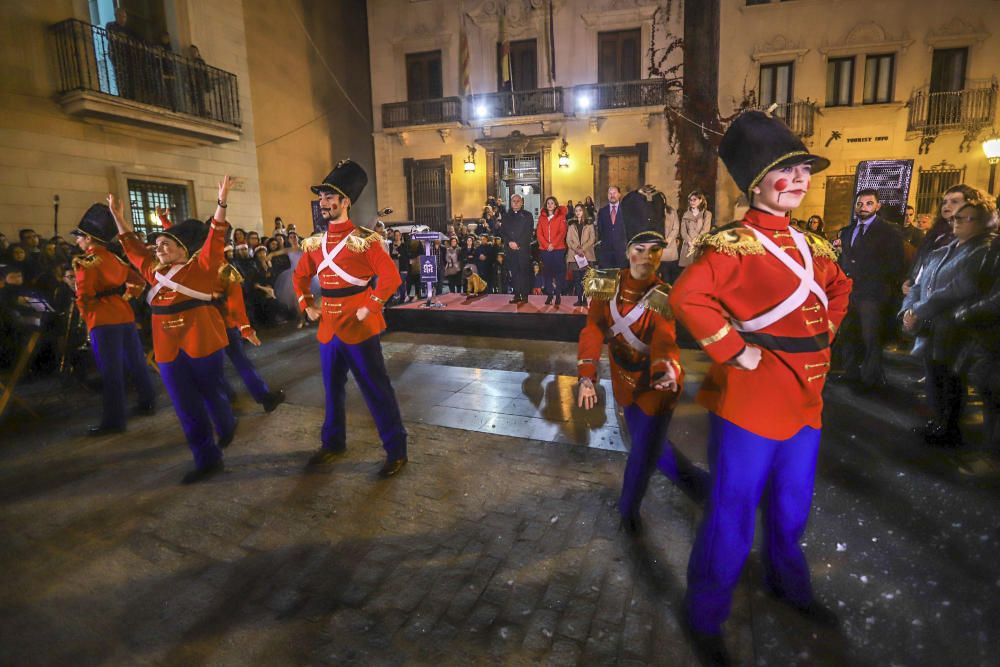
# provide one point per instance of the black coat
(518, 227)
(875, 263)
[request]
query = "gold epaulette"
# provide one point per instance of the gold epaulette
(732, 241)
(362, 238)
(820, 247)
(87, 262)
(314, 242)
(601, 284)
(228, 274)
(658, 300)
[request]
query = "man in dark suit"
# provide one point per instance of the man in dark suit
(872, 256)
(611, 233)
(517, 228)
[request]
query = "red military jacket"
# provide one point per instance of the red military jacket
(363, 257)
(737, 278)
(199, 331)
(100, 271)
(234, 309)
(632, 371)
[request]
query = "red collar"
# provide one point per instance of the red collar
(759, 218)
(340, 227)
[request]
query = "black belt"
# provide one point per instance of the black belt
(626, 364)
(114, 291)
(183, 305)
(788, 343)
(341, 292)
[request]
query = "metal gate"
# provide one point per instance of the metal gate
(932, 182)
(145, 196)
(428, 193)
(891, 179)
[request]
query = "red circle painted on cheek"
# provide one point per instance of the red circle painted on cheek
(780, 184)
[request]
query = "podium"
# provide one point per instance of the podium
(429, 266)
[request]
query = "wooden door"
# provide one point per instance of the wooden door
(619, 169)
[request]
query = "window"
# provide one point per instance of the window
(145, 196)
(931, 184)
(948, 70)
(776, 87)
(523, 66)
(423, 76)
(879, 73)
(618, 56)
(840, 82)
(428, 191)
(750, 3)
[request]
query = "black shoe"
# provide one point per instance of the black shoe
(515, 300)
(145, 409)
(558, 299)
(227, 439)
(273, 400)
(391, 467)
(632, 525)
(580, 303)
(548, 300)
(324, 456)
(199, 474)
(98, 431)
(709, 649)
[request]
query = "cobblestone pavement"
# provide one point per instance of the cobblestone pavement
(492, 547)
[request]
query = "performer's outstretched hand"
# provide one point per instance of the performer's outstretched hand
(587, 395)
(312, 313)
(748, 359)
(252, 338)
(668, 382)
(362, 314)
(118, 213)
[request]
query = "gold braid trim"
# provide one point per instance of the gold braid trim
(229, 275)
(601, 284)
(717, 336)
(738, 241)
(821, 247)
(362, 238)
(87, 262)
(658, 300)
(314, 242)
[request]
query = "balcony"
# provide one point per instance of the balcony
(973, 107)
(621, 95)
(799, 116)
(506, 104)
(115, 78)
(422, 112)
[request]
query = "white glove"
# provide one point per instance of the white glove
(748, 359)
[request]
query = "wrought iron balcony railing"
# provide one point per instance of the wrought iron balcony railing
(974, 106)
(422, 112)
(518, 103)
(620, 95)
(799, 116)
(97, 60)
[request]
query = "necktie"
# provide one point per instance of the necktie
(614, 213)
(858, 231)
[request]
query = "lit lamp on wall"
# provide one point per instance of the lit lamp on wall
(992, 149)
(563, 156)
(470, 160)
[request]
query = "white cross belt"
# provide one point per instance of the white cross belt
(623, 324)
(807, 282)
(165, 281)
(329, 263)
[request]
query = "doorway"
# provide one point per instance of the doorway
(521, 175)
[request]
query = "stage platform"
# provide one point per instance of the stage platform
(490, 315)
(493, 315)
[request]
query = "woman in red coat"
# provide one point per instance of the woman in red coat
(551, 232)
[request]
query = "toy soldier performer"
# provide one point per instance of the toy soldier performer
(348, 260)
(630, 309)
(102, 281)
(764, 301)
(189, 333)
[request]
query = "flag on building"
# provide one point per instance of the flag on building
(463, 58)
(551, 45)
(505, 83)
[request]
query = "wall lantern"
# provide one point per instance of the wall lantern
(470, 160)
(991, 147)
(563, 156)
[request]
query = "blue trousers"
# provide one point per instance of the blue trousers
(241, 362)
(196, 389)
(745, 466)
(364, 361)
(554, 271)
(651, 449)
(118, 351)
